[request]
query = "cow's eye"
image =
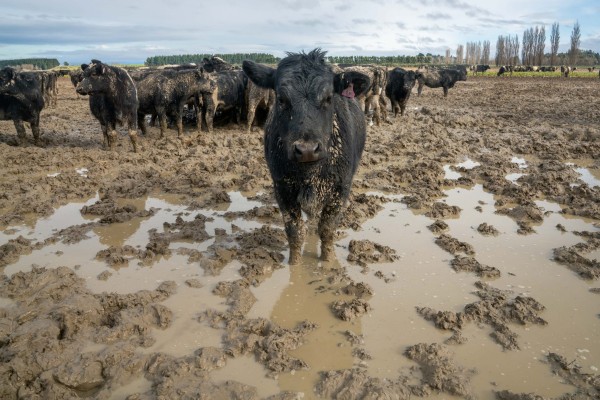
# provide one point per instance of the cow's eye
(283, 102)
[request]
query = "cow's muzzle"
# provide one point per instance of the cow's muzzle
(308, 151)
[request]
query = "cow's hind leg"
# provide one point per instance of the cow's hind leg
(105, 139)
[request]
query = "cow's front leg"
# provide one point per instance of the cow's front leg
(294, 230)
(327, 227)
(20, 127)
(133, 138)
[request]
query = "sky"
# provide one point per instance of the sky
(128, 32)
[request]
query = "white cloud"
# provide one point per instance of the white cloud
(136, 30)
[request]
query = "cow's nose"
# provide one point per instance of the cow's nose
(307, 151)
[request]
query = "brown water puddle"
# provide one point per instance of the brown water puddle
(422, 277)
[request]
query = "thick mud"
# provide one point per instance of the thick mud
(467, 260)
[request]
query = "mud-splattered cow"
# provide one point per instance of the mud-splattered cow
(314, 139)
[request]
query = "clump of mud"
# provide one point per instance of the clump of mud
(497, 308)
(45, 334)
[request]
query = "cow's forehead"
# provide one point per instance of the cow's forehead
(311, 82)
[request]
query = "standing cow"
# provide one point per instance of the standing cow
(372, 101)
(256, 97)
(399, 86)
(313, 139)
(113, 99)
(480, 68)
(444, 78)
(165, 93)
(21, 99)
(228, 96)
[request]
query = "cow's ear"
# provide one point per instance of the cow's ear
(360, 82)
(260, 74)
(84, 67)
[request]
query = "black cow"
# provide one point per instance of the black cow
(216, 64)
(76, 76)
(21, 99)
(113, 99)
(228, 96)
(481, 68)
(165, 93)
(399, 86)
(444, 78)
(314, 138)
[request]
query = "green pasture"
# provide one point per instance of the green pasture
(579, 73)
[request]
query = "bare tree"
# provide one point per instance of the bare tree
(512, 50)
(527, 51)
(459, 54)
(575, 41)
(500, 50)
(485, 54)
(447, 56)
(540, 44)
(554, 41)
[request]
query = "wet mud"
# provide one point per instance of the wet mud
(467, 259)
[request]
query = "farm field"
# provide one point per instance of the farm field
(467, 262)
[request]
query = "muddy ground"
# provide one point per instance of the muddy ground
(467, 259)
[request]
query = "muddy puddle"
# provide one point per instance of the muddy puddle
(420, 276)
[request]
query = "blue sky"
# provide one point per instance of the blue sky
(130, 31)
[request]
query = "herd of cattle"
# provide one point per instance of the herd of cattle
(212, 89)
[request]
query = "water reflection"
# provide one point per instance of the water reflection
(309, 296)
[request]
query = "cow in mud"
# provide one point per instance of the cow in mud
(165, 93)
(444, 78)
(399, 86)
(228, 96)
(257, 97)
(372, 101)
(21, 99)
(314, 138)
(113, 99)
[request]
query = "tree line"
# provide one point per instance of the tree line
(36, 63)
(234, 58)
(509, 51)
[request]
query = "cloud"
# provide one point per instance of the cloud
(437, 15)
(42, 31)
